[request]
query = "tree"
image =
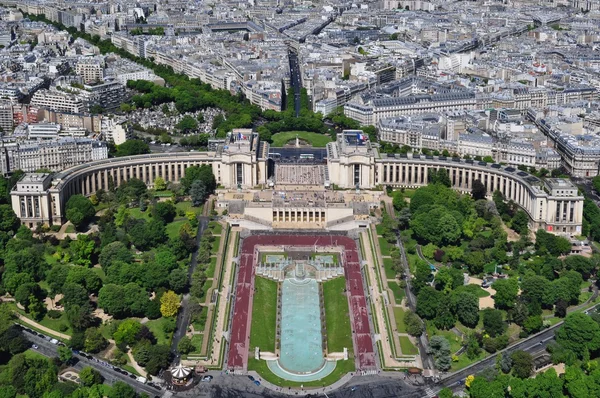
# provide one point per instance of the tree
(414, 324)
(64, 354)
(203, 173)
(580, 264)
(147, 235)
(478, 191)
(178, 280)
(122, 390)
(169, 304)
(90, 377)
(444, 318)
(80, 316)
(94, 341)
(466, 307)
(473, 349)
(132, 147)
(506, 293)
(185, 345)
(198, 193)
(440, 349)
(493, 323)
(520, 222)
(160, 184)
(186, 124)
(536, 290)
(533, 324)
(110, 299)
(115, 251)
(74, 294)
(165, 211)
(428, 300)
(82, 249)
(522, 364)
(79, 210)
(580, 334)
(9, 222)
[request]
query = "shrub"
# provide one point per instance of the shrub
(54, 314)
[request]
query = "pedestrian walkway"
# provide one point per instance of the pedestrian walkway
(303, 391)
(429, 392)
(135, 365)
(42, 328)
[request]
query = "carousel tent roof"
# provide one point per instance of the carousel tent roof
(180, 372)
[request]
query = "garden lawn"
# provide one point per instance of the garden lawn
(70, 229)
(197, 343)
(379, 228)
(314, 139)
(206, 287)
(385, 247)
(399, 316)
(216, 227)
(390, 272)
(337, 319)
(477, 290)
(407, 347)
(454, 340)
(341, 368)
(156, 326)
(210, 270)
(215, 245)
(172, 228)
(398, 292)
(264, 314)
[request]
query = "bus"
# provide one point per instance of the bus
(307, 156)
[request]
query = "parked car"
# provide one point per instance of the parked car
(257, 382)
(34, 346)
(207, 378)
(251, 377)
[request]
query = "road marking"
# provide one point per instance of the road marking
(429, 392)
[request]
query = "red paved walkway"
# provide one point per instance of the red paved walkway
(242, 316)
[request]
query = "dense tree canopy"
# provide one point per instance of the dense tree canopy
(79, 210)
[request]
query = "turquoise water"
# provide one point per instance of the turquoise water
(327, 368)
(301, 349)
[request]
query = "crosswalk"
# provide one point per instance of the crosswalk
(429, 393)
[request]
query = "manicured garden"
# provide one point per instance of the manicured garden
(314, 139)
(264, 313)
(337, 317)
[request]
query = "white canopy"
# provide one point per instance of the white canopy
(180, 372)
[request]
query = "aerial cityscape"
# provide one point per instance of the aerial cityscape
(395, 198)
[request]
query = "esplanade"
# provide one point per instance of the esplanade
(244, 167)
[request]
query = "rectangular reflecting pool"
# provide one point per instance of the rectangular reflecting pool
(301, 349)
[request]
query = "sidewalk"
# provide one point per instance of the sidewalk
(304, 391)
(42, 328)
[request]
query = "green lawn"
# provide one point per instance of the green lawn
(197, 342)
(33, 354)
(314, 139)
(264, 314)
(477, 290)
(398, 291)
(379, 228)
(207, 285)
(399, 317)
(172, 228)
(385, 247)
(70, 229)
(137, 213)
(100, 272)
(215, 245)
(337, 319)
(390, 272)
(341, 368)
(407, 347)
(131, 369)
(210, 270)
(216, 227)
(454, 340)
(54, 324)
(156, 326)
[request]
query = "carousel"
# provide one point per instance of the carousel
(180, 375)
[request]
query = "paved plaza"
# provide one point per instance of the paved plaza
(296, 174)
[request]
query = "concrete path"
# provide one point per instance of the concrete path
(386, 353)
(135, 365)
(304, 391)
(42, 328)
(222, 317)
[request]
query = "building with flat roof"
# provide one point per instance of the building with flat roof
(244, 165)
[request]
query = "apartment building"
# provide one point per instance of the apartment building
(6, 117)
(56, 154)
(91, 70)
(58, 101)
